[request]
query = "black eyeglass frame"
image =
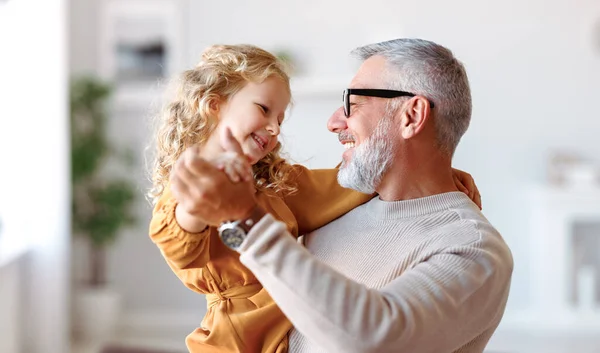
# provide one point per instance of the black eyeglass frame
(373, 92)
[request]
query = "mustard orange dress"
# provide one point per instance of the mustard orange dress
(241, 316)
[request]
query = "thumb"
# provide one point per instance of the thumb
(229, 143)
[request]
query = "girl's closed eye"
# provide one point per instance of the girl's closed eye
(264, 108)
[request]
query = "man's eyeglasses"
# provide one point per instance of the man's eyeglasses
(372, 92)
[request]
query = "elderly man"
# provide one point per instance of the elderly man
(417, 269)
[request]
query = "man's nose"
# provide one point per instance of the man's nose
(337, 121)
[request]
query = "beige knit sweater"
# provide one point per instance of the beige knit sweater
(419, 276)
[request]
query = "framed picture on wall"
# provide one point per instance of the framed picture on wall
(141, 42)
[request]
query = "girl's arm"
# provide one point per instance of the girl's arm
(182, 248)
(182, 237)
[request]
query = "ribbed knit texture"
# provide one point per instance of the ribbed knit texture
(424, 275)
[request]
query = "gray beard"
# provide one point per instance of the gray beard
(369, 161)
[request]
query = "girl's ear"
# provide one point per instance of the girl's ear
(214, 105)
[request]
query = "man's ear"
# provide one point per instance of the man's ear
(415, 115)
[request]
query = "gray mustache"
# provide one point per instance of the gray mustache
(345, 136)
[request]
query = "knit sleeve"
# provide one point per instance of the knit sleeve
(320, 199)
(180, 248)
(440, 303)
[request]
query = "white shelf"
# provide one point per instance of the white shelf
(554, 212)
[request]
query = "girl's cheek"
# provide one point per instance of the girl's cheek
(273, 144)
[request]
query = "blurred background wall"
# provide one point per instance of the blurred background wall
(35, 240)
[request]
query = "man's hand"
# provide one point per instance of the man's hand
(205, 193)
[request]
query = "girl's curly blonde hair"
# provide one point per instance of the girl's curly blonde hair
(188, 119)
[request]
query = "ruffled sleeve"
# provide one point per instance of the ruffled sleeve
(179, 247)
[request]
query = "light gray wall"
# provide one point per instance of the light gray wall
(535, 75)
(83, 35)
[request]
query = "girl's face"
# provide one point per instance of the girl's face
(254, 115)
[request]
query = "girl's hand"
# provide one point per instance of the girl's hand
(465, 183)
(234, 165)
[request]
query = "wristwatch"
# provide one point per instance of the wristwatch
(233, 233)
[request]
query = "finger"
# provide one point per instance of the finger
(460, 185)
(238, 169)
(238, 163)
(244, 169)
(469, 183)
(477, 199)
(229, 143)
(232, 172)
(472, 188)
(219, 163)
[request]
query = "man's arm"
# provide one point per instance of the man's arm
(436, 306)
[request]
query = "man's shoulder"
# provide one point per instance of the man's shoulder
(471, 219)
(467, 226)
(472, 232)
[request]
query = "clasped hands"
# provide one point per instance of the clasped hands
(212, 190)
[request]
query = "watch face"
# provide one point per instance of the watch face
(233, 237)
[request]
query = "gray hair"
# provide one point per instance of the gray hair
(431, 70)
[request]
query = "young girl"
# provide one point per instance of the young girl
(246, 90)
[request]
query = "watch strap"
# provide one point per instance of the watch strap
(254, 217)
